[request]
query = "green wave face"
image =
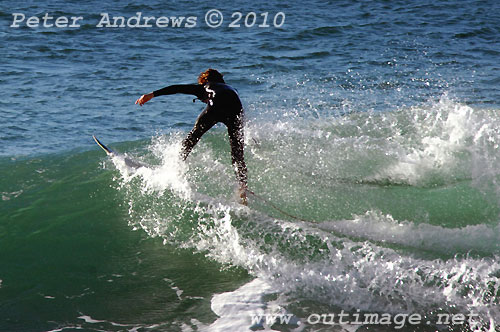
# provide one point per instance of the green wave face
(392, 205)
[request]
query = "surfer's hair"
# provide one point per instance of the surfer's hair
(210, 75)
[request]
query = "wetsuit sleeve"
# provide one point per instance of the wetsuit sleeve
(190, 89)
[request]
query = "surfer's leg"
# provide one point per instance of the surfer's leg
(204, 122)
(236, 139)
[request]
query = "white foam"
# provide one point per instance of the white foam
(169, 175)
(67, 328)
(375, 226)
(355, 275)
(90, 320)
(130, 327)
(6, 196)
(176, 289)
(243, 308)
(439, 134)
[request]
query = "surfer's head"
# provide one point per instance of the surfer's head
(210, 75)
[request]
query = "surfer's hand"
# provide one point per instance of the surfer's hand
(144, 99)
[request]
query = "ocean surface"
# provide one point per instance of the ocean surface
(372, 140)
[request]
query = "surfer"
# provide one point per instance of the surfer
(223, 105)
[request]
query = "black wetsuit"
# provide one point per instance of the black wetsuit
(223, 105)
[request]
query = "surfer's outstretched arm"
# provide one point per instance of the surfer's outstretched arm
(191, 89)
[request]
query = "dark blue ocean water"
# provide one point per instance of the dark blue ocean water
(376, 122)
(62, 85)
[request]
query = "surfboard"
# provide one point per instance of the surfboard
(104, 147)
(111, 153)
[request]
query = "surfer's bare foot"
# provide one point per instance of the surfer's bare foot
(242, 193)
